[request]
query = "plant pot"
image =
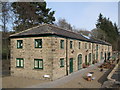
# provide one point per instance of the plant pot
(84, 66)
(89, 78)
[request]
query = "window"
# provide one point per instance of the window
(79, 61)
(62, 44)
(38, 43)
(108, 48)
(19, 44)
(96, 55)
(38, 63)
(102, 55)
(86, 59)
(93, 57)
(79, 45)
(71, 44)
(85, 45)
(89, 46)
(62, 62)
(19, 62)
(90, 58)
(96, 47)
(93, 46)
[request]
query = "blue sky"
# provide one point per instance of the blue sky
(84, 15)
(119, 14)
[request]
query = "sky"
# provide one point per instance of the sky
(119, 14)
(84, 15)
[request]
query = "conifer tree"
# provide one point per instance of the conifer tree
(30, 14)
(110, 29)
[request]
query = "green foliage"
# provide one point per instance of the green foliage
(5, 42)
(30, 14)
(99, 34)
(110, 30)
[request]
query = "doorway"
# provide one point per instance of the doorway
(71, 65)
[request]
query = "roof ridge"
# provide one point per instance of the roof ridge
(102, 41)
(63, 29)
(28, 29)
(48, 29)
(43, 25)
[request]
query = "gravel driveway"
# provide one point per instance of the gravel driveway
(76, 79)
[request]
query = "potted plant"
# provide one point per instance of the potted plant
(84, 65)
(93, 62)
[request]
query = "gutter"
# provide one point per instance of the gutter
(66, 56)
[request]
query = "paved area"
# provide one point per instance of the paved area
(115, 82)
(77, 79)
(19, 82)
(74, 80)
(0, 73)
(81, 82)
(116, 74)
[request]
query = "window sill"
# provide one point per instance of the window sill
(37, 68)
(61, 66)
(20, 67)
(38, 47)
(19, 48)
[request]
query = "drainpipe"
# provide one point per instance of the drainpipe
(92, 54)
(66, 56)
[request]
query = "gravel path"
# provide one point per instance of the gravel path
(76, 79)
(19, 82)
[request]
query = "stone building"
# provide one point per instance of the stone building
(49, 52)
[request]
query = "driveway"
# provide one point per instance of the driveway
(76, 79)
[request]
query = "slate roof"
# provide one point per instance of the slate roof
(100, 41)
(48, 29)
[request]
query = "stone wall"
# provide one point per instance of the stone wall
(51, 54)
(58, 53)
(29, 53)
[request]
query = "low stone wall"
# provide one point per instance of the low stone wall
(5, 67)
(112, 83)
(113, 71)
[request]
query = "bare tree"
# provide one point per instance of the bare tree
(5, 18)
(5, 15)
(84, 32)
(64, 24)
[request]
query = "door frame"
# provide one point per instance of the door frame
(70, 65)
(79, 61)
